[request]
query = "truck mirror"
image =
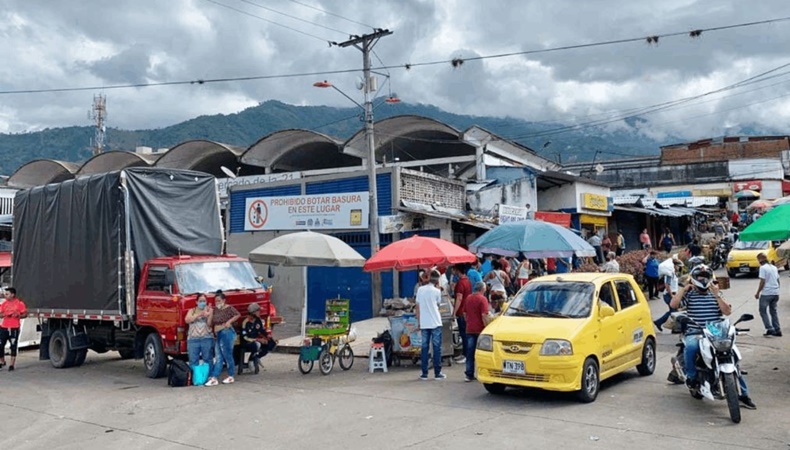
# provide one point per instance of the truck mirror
(170, 277)
(271, 272)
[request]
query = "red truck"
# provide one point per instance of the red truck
(113, 262)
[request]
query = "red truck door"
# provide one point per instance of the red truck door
(157, 308)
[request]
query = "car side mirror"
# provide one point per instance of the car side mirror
(605, 310)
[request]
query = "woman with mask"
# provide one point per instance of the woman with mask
(200, 341)
(222, 320)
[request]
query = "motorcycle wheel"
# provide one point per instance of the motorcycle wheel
(716, 263)
(731, 391)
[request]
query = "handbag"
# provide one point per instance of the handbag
(200, 374)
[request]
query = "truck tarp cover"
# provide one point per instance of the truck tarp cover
(69, 237)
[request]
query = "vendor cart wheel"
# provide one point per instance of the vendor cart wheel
(325, 362)
(345, 357)
(305, 366)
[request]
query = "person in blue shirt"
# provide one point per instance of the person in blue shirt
(473, 274)
(563, 265)
(486, 266)
(651, 273)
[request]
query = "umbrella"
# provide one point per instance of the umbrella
(532, 238)
(307, 249)
(771, 226)
(783, 251)
(781, 201)
(418, 252)
(746, 193)
(760, 204)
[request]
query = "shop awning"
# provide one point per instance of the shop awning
(444, 213)
(5, 259)
(671, 211)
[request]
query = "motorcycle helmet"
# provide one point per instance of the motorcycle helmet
(701, 276)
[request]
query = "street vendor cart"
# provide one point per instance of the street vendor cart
(329, 340)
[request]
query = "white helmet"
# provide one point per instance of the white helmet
(702, 276)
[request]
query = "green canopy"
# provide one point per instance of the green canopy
(771, 226)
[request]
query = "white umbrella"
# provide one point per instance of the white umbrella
(305, 249)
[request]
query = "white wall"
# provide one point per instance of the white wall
(517, 193)
(772, 189)
(557, 198)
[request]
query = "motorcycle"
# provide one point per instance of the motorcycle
(716, 362)
(720, 253)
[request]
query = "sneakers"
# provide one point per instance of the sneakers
(768, 333)
(441, 376)
(469, 379)
(10, 368)
(212, 382)
(747, 402)
(256, 366)
(424, 377)
(228, 380)
(461, 360)
(777, 333)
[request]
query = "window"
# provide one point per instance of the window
(607, 296)
(156, 278)
(625, 293)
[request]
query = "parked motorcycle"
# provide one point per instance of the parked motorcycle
(717, 362)
(719, 257)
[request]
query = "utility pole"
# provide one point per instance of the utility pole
(98, 114)
(365, 44)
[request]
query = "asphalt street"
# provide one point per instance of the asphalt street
(109, 402)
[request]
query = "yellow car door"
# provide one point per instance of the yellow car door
(634, 320)
(611, 330)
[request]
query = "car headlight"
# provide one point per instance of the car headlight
(485, 342)
(729, 257)
(556, 347)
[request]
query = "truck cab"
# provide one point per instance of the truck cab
(168, 289)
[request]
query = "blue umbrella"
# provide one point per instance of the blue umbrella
(533, 239)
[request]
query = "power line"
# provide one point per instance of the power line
(331, 14)
(292, 17)
(241, 11)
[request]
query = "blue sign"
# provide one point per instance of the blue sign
(674, 194)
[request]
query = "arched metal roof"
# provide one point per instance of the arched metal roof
(410, 138)
(296, 149)
(201, 155)
(42, 171)
(109, 161)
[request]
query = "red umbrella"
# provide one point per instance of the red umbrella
(418, 252)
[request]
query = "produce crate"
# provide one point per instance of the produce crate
(724, 282)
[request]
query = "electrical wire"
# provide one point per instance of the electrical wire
(331, 14)
(293, 17)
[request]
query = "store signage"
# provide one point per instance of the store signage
(674, 194)
(512, 213)
(307, 212)
(747, 185)
(595, 201)
(396, 223)
(557, 218)
(711, 192)
(224, 184)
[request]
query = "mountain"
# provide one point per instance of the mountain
(246, 127)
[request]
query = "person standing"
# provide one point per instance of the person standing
(670, 281)
(644, 239)
(430, 322)
(200, 341)
(563, 265)
(487, 265)
(476, 315)
(667, 240)
(606, 245)
(474, 273)
(523, 272)
(222, 320)
(463, 289)
(651, 274)
(620, 243)
(768, 294)
(595, 241)
(497, 279)
(12, 311)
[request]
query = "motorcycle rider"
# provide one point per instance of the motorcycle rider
(704, 303)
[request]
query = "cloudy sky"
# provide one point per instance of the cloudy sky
(51, 45)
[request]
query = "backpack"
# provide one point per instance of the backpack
(178, 373)
(386, 339)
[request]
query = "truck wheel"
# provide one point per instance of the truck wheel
(59, 354)
(126, 354)
(154, 357)
(79, 359)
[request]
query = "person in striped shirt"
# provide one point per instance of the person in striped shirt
(704, 303)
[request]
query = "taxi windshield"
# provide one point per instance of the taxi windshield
(553, 299)
(751, 245)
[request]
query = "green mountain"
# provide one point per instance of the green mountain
(246, 127)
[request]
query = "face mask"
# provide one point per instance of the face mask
(201, 305)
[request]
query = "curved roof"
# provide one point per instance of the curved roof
(42, 171)
(297, 149)
(109, 161)
(410, 138)
(201, 155)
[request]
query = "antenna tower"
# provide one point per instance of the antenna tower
(98, 115)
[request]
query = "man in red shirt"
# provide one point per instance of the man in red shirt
(463, 288)
(476, 307)
(12, 310)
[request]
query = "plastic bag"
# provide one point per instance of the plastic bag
(200, 374)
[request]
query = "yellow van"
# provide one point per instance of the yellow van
(567, 333)
(743, 257)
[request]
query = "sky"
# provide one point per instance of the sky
(93, 43)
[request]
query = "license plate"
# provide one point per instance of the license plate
(513, 367)
(745, 269)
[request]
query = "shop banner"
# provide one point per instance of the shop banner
(512, 213)
(307, 212)
(747, 186)
(224, 184)
(557, 218)
(396, 223)
(595, 202)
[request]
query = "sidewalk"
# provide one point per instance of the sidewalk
(366, 330)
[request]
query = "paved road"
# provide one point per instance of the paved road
(109, 402)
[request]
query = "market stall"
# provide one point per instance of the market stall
(415, 253)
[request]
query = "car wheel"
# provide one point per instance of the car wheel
(495, 388)
(731, 273)
(590, 382)
(648, 364)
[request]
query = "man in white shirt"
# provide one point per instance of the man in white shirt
(430, 322)
(768, 294)
(611, 265)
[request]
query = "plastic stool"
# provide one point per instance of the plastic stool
(376, 358)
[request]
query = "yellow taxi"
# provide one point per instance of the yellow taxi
(743, 257)
(567, 333)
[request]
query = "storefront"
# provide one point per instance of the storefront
(593, 214)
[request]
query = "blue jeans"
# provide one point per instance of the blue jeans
(461, 321)
(690, 354)
(431, 336)
(224, 352)
(471, 345)
(201, 348)
(660, 321)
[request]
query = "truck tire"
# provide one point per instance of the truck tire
(80, 356)
(154, 356)
(60, 355)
